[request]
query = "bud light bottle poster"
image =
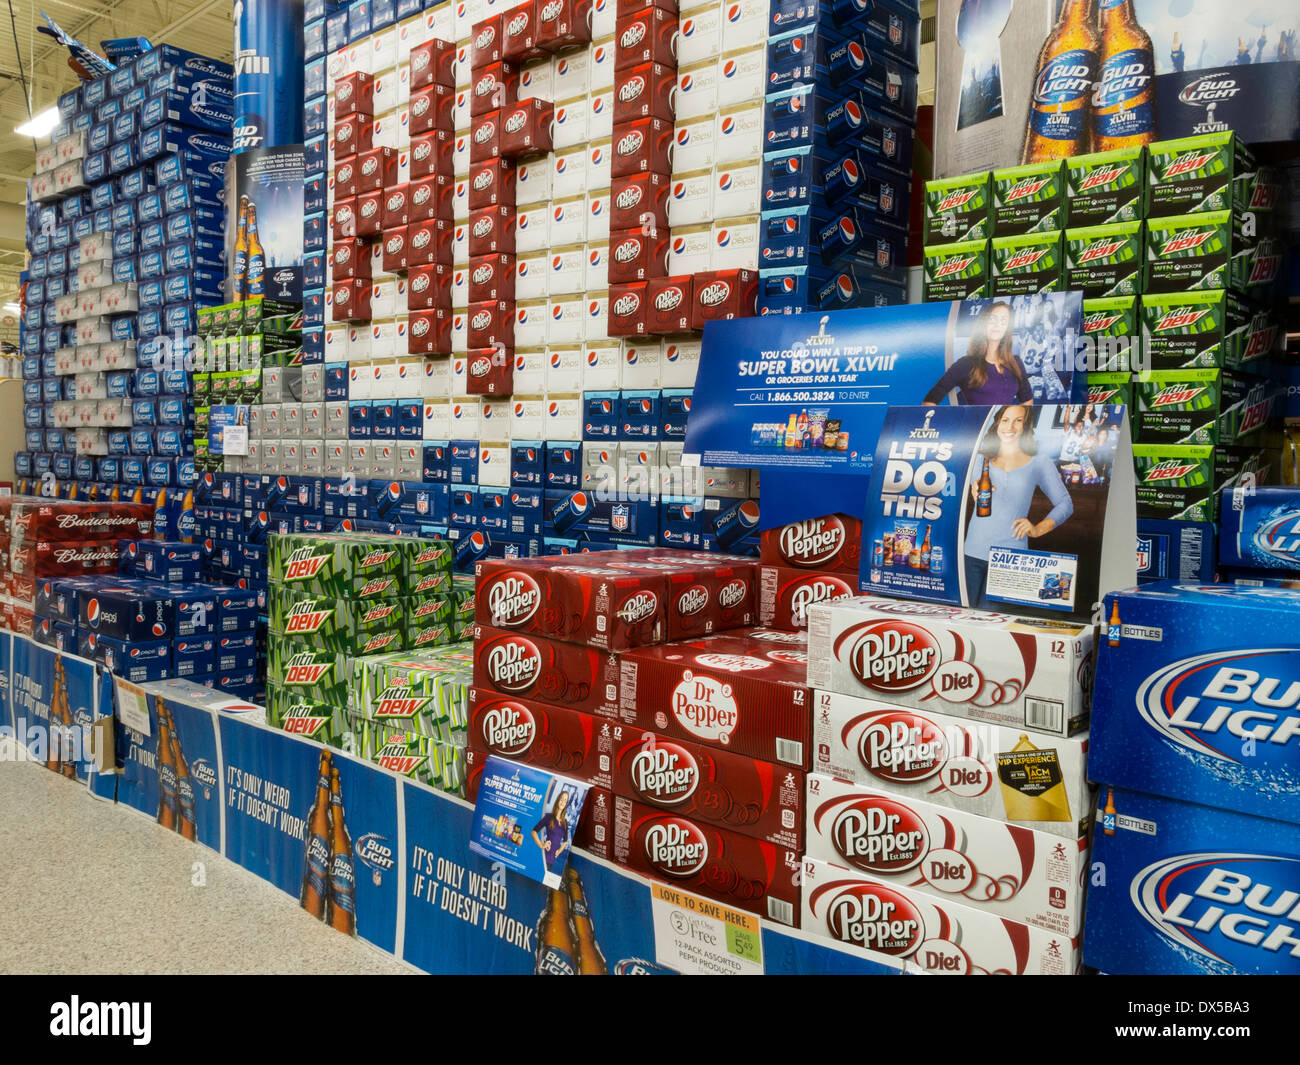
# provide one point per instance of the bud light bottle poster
(6, 677)
(1014, 507)
(809, 392)
(264, 238)
(525, 818)
(317, 824)
(55, 706)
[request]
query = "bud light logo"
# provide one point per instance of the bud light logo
(1208, 89)
(675, 847)
(1225, 907)
(1208, 704)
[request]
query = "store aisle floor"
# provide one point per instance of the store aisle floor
(90, 887)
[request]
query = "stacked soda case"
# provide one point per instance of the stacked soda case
(47, 539)
(1194, 719)
(125, 228)
(839, 120)
(948, 809)
(337, 599)
(549, 228)
(639, 674)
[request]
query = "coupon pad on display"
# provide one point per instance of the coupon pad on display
(809, 392)
(1021, 507)
(524, 818)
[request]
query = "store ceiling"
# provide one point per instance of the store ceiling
(200, 25)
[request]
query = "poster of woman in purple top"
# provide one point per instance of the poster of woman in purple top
(990, 373)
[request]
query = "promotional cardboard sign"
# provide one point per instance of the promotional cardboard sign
(1021, 507)
(810, 392)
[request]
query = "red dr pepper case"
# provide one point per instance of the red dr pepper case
(433, 63)
(642, 146)
(722, 294)
(492, 183)
(745, 691)
(432, 154)
(627, 310)
(784, 595)
(550, 737)
(734, 869)
(639, 201)
(644, 91)
(431, 109)
(669, 304)
(562, 24)
(637, 255)
(748, 796)
(485, 43)
(832, 542)
(527, 129)
(645, 36)
(490, 372)
(532, 667)
(492, 277)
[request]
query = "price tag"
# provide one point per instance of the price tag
(235, 440)
(697, 935)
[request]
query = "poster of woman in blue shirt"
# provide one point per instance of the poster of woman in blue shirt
(990, 372)
(999, 512)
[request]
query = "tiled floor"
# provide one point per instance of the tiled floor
(90, 887)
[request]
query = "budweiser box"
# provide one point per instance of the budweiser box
(536, 668)
(737, 870)
(832, 542)
(1020, 875)
(977, 664)
(35, 518)
(63, 558)
(1024, 778)
(745, 691)
(928, 934)
(708, 785)
(549, 737)
(785, 594)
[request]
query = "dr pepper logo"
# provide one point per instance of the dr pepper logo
(899, 747)
(513, 664)
(509, 729)
(873, 916)
(664, 773)
(814, 543)
(675, 847)
(890, 655)
(705, 707)
(874, 833)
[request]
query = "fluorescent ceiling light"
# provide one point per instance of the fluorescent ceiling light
(41, 125)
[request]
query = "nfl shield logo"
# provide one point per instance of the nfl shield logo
(1144, 554)
(422, 504)
(621, 518)
(895, 30)
(887, 199)
(889, 143)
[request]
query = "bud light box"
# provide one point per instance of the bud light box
(1191, 890)
(1197, 693)
(1260, 528)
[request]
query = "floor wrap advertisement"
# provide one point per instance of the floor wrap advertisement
(386, 859)
(809, 392)
(1020, 507)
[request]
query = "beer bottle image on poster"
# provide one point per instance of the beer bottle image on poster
(267, 244)
(314, 897)
(1123, 106)
(1021, 506)
(1059, 109)
(566, 935)
(342, 903)
(61, 751)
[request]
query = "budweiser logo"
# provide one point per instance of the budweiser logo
(714, 293)
(669, 299)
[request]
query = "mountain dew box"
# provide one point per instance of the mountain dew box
(1027, 265)
(957, 210)
(1102, 261)
(1191, 889)
(1198, 406)
(412, 694)
(462, 616)
(1111, 389)
(956, 271)
(312, 674)
(338, 564)
(426, 759)
(1196, 174)
(1104, 188)
(1175, 482)
(1205, 329)
(352, 626)
(1028, 199)
(1255, 270)
(427, 566)
(1196, 696)
(1195, 251)
(288, 709)
(1109, 327)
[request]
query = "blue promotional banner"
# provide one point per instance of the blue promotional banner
(1020, 507)
(56, 709)
(6, 679)
(809, 392)
(524, 818)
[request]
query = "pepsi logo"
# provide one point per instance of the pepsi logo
(723, 238)
(724, 182)
(727, 125)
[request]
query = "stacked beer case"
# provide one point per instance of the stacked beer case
(639, 674)
(839, 125)
(490, 259)
(125, 227)
(1194, 727)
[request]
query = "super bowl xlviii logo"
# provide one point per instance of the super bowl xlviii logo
(820, 338)
(925, 431)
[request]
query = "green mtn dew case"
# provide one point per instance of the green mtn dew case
(956, 271)
(1027, 265)
(1028, 199)
(957, 209)
(339, 564)
(1110, 389)
(426, 566)
(286, 709)
(1195, 174)
(1104, 261)
(1110, 327)
(1189, 252)
(1206, 329)
(426, 759)
(462, 617)
(1105, 187)
(1255, 268)
(1175, 482)
(1199, 406)
(314, 674)
(353, 626)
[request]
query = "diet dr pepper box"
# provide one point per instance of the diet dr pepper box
(926, 933)
(977, 664)
(1023, 778)
(1199, 696)
(742, 691)
(1012, 872)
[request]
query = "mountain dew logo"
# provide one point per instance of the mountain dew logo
(1179, 319)
(1187, 163)
(377, 586)
(1186, 242)
(1099, 394)
(375, 558)
(1099, 321)
(1103, 175)
(1268, 261)
(1259, 338)
(379, 642)
(955, 199)
(957, 265)
(396, 757)
(306, 617)
(303, 564)
(1026, 187)
(1026, 258)
(400, 703)
(302, 719)
(1175, 395)
(306, 669)
(1100, 249)
(1168, 470)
